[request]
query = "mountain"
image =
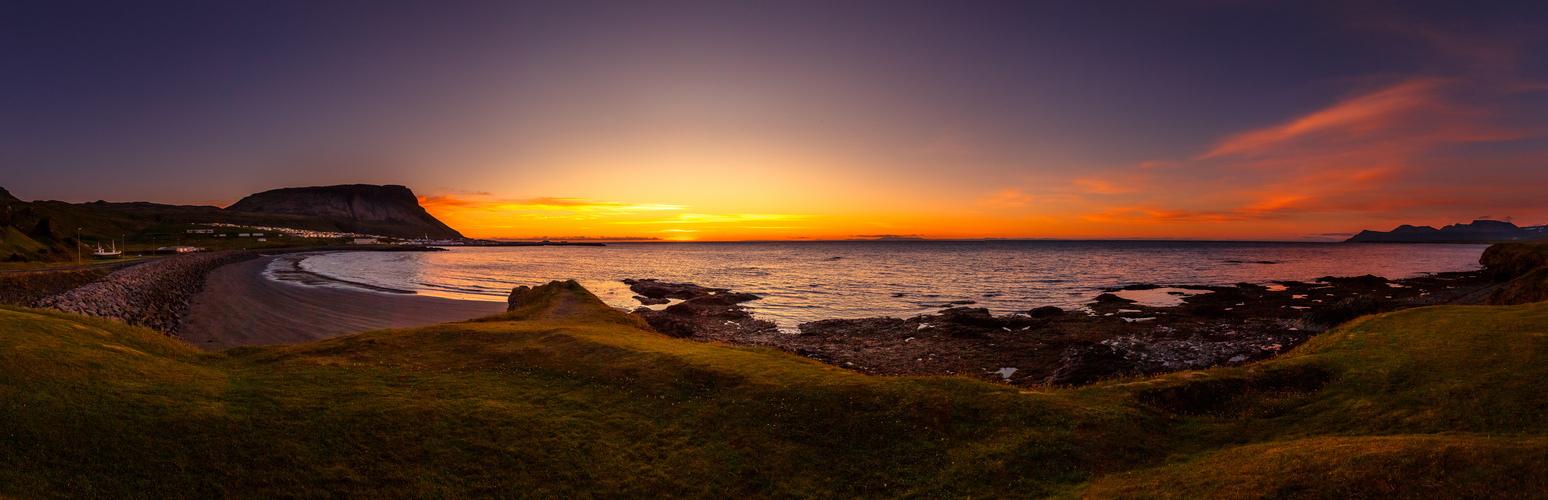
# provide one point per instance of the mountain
(1478, 231)
(358, 208)
(52, 230)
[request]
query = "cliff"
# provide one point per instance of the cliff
(1478, 231)
(5, 196)
(1524, 268)
(360, 208)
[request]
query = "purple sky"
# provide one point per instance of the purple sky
(1212, 119)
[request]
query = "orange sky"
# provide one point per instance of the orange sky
(1370, 160)
(792, 120)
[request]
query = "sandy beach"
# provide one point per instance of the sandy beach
(239, 306)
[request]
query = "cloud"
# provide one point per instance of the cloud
(1103, 187)
(715, 219)
(1150, 215)
(1405, 147)
(1006, 198)
(542, 204)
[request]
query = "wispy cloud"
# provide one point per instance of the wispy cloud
(1007, 198)
(716, 219)
(1419, 146)
(544, 203)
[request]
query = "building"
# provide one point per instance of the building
(178, 249)
(365, 241)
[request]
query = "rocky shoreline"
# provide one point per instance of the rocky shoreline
(27, 288)
(153, 295)
(1183, 327)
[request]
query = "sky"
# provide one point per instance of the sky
(732, 120)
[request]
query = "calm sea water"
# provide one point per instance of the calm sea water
(806, 281)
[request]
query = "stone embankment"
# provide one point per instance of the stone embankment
(27, 288)
(153, 295)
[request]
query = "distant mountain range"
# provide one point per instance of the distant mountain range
(46, 230)
(1478, 231)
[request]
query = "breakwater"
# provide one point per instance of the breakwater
(153, 295)
(27, 288)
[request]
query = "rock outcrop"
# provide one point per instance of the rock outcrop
(1112, 336)
(1523, 269)
(705, 313)
(360, 208)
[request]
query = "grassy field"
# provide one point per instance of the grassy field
(569, 398)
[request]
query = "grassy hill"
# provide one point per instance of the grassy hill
(567, 397)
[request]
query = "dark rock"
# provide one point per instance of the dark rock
(1362, 281)
(861, 327)
(974, 317)
(1046, 312)
(652, 301)
(1090, 362)
(1344, 310)
(705, 313)
(1108, 298)
(653, 289)
(45, 231)
(517, 295)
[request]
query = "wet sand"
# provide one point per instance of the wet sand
(239, 306)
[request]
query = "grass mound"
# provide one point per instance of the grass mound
(1348, 467)
(566, 397)
(1525, 265)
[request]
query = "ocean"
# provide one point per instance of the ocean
(807, 281)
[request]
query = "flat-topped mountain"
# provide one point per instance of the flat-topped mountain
(1478, 231)
(390, 210)
(46, 230)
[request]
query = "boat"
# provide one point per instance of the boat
(107, 254)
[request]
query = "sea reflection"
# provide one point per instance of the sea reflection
(806, 281)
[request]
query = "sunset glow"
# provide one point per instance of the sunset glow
(762, 121)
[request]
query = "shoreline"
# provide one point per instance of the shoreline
(1113, 336)
(240, 306)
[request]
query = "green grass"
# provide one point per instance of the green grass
(568, 398)
(163, 235)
